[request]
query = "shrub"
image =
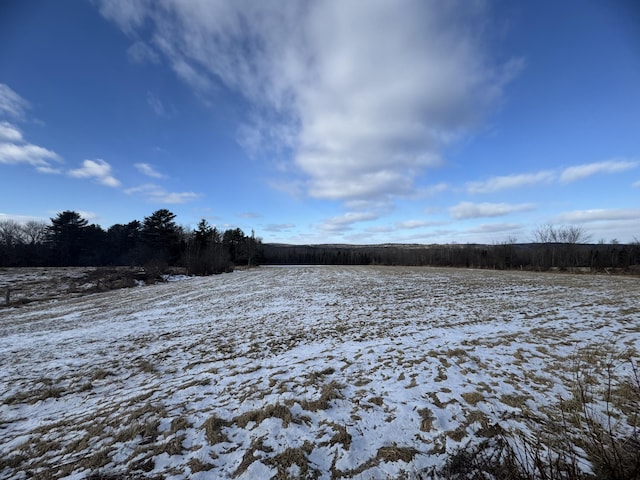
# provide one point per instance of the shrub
(593, 435)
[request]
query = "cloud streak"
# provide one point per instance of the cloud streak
(158, 195)
(506, 182)
(468, 210)
(12, 104)
(573, 174)
(149, 170)
(568, 175)
(599, 215)
(344, 222)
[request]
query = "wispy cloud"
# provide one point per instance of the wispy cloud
(99, 170)
(9, 132)
(156, 105)
(278, 227)
(365, 97)
(156, 194)
(495, 184)
(413, 224)
(12, 104)
(579, 172)
(149, 170)
(14, 149)
(466, 210)
(568, 175)
(29, 154)
(343, 222)
(141, 52)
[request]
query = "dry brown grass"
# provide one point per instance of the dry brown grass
(394, 453)
(196, 465)
(426, 419)
(257, 444)
(472, 398)
(213, 427)
(285, 460)
(330, 391)
(585, 429)
(268, 411)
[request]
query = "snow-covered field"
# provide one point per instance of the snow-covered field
(287, 372)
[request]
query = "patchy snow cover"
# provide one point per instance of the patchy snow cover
(322, 372)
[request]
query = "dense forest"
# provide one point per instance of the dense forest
(552, 248)
(157, 242)
(530, 256)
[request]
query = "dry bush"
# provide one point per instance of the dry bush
(593, 435)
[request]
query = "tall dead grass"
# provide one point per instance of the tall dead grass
(595, 434)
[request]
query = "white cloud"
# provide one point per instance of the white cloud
(149, 170)
(465, 210)
(9, 132)
(599, 215)
(344, 222)
(173, 197)
(366, 185)
(412, 224)
(506, 182)
(97, 169)
(26, 153)
(156, 194)
(364, 95)
(579, 172)
(12, 104)
(14, 149)
(636, 184)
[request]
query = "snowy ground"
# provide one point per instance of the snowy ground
(287, 372)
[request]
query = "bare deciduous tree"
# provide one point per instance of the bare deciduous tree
(10, 233)
(34, 231)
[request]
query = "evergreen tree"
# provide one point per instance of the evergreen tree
(124, 243)
(161, 237)
(66, 237)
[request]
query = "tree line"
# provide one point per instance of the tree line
(69, 240)
(158, 242)
(552, 248)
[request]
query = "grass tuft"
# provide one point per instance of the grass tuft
(213, 430)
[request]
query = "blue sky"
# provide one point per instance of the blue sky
(325, 121)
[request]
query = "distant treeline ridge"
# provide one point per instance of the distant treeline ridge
(529, 256)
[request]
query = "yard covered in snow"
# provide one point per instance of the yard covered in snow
(309, 372)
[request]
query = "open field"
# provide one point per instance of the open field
(302, 372)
